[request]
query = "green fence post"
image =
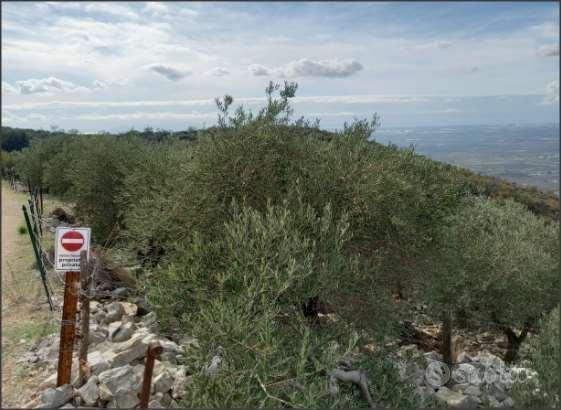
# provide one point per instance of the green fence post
(42, 272)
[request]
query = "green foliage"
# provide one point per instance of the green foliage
(545, 360)
(497, 262)
(98, 176)
(242, 294)
(22, 230)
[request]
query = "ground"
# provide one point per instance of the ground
(25, 313)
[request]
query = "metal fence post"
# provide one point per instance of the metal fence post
(68, 328)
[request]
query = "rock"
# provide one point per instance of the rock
(115, 312)
(127, 352)
(48, 382)
(170, 347)
(121, 380)
(97, 362)
(466, 373)
(162, 382)
(125, 400)
(437, 374)
(94, 306)
(130, 308)
(89, 392)
(56, 397)
(472, 391)
(155, 404)
(508, 402)
(122, 332)
(143, 308)
(460, 388)
(433, 356)
(105, 394)
(179, 386)
(68, 406)
(463, 357)
(497, 392)
(95, 338)
(169, 357)
(453, 399)
(149, 319)
(99, 317)
(119, 293)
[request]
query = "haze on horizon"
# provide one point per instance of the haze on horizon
(112, 66)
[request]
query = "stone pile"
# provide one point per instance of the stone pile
(119, 336)
(482, 380)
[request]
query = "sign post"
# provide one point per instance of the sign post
(69, 244)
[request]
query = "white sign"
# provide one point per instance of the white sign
(69, 242)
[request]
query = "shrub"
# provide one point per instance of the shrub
(545, 360)
(496, 262)
(98, 179)
(242, 294)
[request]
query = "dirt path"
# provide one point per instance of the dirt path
(25, 316)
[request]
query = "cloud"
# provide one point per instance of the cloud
(47, 86)
(259, 70)
(549, 50)
(433, 45)
(8, 89)
(322, 68)
(310, 68)
(444, 111)
(551, 92)
(219, 71)
(156, 8)
(169, 72)
(112, 9)
(474, 69)
(99, 84)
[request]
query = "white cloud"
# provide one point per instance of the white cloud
(433, 45)
(143, 115)
(310, 68)
(551, 92)
(110, 8)
(99, 84)
(48, 85)
(322, 68)
(219, 71)
(259, 70)
(170, 72)
(156, 8)
(8, 89)
(549, 50)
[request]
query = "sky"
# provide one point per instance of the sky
(114, 66)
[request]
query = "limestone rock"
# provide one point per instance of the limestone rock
(453, 399)
(56, 397)
(122, 332)
(115, 312)
(97, 362)
(130, 308)
(163, 382)
(89, 392)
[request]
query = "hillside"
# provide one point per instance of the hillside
(299, 256)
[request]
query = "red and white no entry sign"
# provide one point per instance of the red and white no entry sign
(69, 243)
(72, 241)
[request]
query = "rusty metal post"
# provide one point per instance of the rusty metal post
(68, 328)
(154, 351)
(85, 316)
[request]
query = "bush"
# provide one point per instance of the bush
(496, 262)
(98, 177)
(545, 360)
(242, 294)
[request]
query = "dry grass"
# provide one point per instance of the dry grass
(25, 313)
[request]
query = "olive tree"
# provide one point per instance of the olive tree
(496, 263)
